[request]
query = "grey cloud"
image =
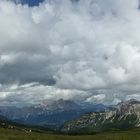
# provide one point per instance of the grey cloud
(83, 50)
(26, 68)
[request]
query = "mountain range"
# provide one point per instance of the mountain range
(50, 114)
(123, 116)
(66, 116)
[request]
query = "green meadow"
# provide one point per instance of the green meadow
(11, 134)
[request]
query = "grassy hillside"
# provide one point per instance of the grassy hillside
(11, 134)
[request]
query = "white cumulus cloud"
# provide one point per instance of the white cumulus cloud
(82, 50)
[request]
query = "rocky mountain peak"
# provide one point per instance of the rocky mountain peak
(129, 107)
(129, 102)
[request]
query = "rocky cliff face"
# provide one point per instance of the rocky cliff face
(124, 115)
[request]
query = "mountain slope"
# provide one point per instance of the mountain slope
(6, 123)
(124, 115)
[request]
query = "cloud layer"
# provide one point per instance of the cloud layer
(82, 50)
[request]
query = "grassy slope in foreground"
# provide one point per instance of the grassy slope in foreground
(10, 134)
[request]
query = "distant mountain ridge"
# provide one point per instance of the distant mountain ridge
(122, 116)
(50, 114)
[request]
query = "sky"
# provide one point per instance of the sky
(28, 2)
(81, 50)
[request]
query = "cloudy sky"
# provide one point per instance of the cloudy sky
(83, 50)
